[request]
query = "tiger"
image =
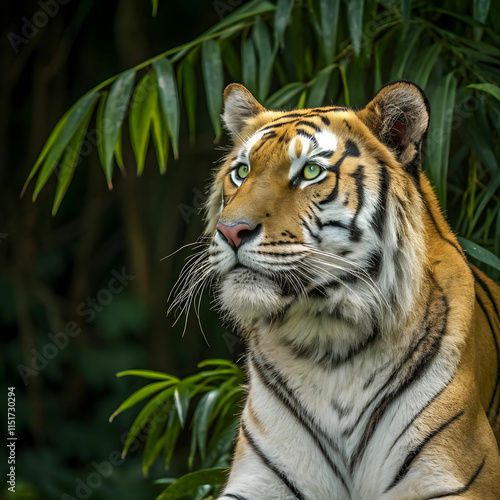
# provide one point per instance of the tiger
(372, 344)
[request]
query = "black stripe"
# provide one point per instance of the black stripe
(415, 452)
(327, 109)
(279, 387)
(277, 125)
(325, 154)
(412, 421)
(426, 349)
(308, 123)
(290, 115)
(233, 495)
(350, 150)
(359, 177)
(486, 290)
(304, 133)
(437, 228)
(484, 286)
(284, 254)
(281, 475)
(497, 350)
(334, 223)
(374, 264)
(380, 215)
(331, 359)
(466, 487)
(268, 135)
(280, 242)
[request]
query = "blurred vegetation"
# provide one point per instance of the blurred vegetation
(57, 270)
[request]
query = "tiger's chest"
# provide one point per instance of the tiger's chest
(343, 431)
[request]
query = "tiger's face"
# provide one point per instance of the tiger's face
(314, 209)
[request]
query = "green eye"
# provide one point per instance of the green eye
(311, 172)
(243, 171)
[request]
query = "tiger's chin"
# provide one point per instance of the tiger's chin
(246, 295)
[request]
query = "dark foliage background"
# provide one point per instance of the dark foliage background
(49, 265)
(83, 294)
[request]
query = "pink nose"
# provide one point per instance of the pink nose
(233, 234)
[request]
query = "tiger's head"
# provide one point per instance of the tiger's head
(318, 210)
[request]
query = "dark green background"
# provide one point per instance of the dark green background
(50, 265)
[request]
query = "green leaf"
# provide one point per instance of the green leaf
(247, 11)
(154, 443)
(405, 10)
(173, 430)
(70, 159)
(213, 76)
(141, 394)
(426, 63)
(480, 253)
(201, 419)
(155, 7)
(148, 374)
(189, 91)
(182, 395)
(406, 46)
(485, 197)
(265, 56)
(230, 391)
(144, 416)
(318, 87)
(439, 135)
(118, 152)
(301, 103)
(355, 21)
(347, 99)
(99, 124)
(377, 83)
(232, 61)
(58, 141)
(329, 10)
(497, 233)
(490, 88)
(114, 113)
(285, 96)
(282, 20)
(480, 10)
(193, 480)
(249, 65)
(143, 104)
(160, 139)
(218, 363)
(169, 98)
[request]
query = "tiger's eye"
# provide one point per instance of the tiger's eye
(243, 171)
(311, 171)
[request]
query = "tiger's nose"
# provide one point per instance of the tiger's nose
(237, 233)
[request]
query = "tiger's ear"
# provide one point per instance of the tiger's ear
(239, 107)
(399, 117)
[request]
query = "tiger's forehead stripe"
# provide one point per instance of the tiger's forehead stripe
(298, 151)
